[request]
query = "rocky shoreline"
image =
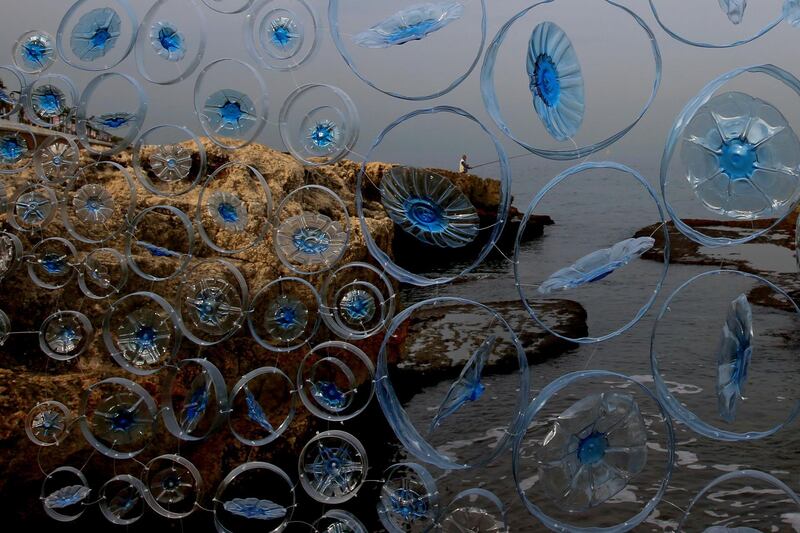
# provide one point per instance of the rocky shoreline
(27, 376)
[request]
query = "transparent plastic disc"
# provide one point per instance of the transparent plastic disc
(409, 500)
(52, 262)
(17, 146)
(65, 335)
(281, 34)
(169, 160)
(34, 52)
(141, 332)
(47, 424)
(196, 400)
(117, 417)
(104, 272)
(122, 500)
(57, 159)
(96, 35)
(173, 486)
(319, 124)
(284, 314)
(262, 406)
(50, 101)
(332, 467)
(234, 208)
(336, 381)
(159, 243)
(64, 494)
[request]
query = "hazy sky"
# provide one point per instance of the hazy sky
(613, 51)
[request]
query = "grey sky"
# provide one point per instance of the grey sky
(613, 52)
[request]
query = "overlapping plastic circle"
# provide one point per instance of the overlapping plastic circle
(234, 208)
(122, 499)
(57, 159)
(431, 223)
(32, 207)
(409, 501)
(262, 405)
(460, 399)
(142, 332)
(616, 431)
(212, 301)
(173, 486)
(50, 100)
(281, 34)
(156, 253)
(335, 381)
(169, 160)
(500, 86)
(284, 314)
(319, 124)
(48, 423)
(52, 262)
(254, 496)
(696, 392)
(749, 160)
(358, 301)
(117, 417)
(99, 202)
(65, 335)
(171, 41)
(196, 400)
(17, 147)
(332, 467)
(104, 273)
(230, 100)
(112, 109)
(97, 35)
(63, 493)
(309, 242)
(432, 52)
(735, 502)
(581, 281)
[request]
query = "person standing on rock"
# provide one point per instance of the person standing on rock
(463, 167)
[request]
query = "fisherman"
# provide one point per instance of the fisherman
(463, 167)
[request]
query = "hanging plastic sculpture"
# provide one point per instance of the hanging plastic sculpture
(332, 467)
(284, 314)
(213, 301)
(420, 437)
(56, 159)
(429, 207)
(34, 52)
(262, 406)
(728, 354)
(16, 150)
(411, 24)
(593, 450)
(281, 34)
(96, 35)
(319, 124)
(411, 202)
(234, 206)
(733, 356)
(112, 107)
(556, 84)
(171, 41)
(154, 254)
(50, 100)
(254, 496)
(339, 521)
(335, 381)
(310, 242)
(468, 386)
(735, 11)
(409, 501)
(173, 486)
(358, 301)
(142, 332)
(48, 423)
(65, 335)
(99, 203)
(104, 273)
(32, 207)
(555, 81)
(64, 492)
(51, 263)
(718, 505)
(414, 23)
(596, 265)
(231, 116)
(745, 168)
(195, 413)
(122, 499)
(169, 160)
(117, 417)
